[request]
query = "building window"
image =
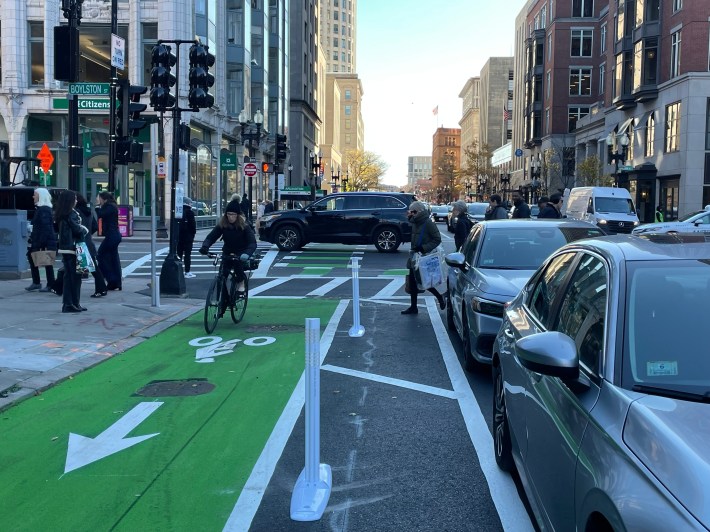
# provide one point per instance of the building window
(602, 39)
(602, 77)
(335, 15)
(650, 62)
(675, 54)
(549, 47)
(580, 81)
(150, 39)
(581, 43)
(677, 5)
(547, 121)
(347, 94)
(672, 127)
(348, 110)
(36, 58)
(335, 42)
(582, 8)
(348, 124)
(574, 114)
(548, 85)
(650, 135)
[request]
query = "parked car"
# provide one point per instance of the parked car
(378, 218)
(440, 213)
(495, 262)
(695, 222)
(601, 376)
(200, 208)
(476, 213)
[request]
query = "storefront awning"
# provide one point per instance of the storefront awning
(624, 126)
(608, 130)
(641, 124)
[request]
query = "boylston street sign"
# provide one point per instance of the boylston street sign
(90, 89)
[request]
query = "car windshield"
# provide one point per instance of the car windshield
(665, 344)
(691, 215)
(525, 248)
(619, 205)
(477, 208)
(441, 209)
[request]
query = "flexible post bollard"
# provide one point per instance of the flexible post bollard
(357, 330)
(312, 491)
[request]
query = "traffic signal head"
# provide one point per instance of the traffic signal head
(128, 122)
(200, 78)
(161, 79)
(281, 148)
(266, 167)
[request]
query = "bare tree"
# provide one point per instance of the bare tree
(589, 173)
(558, 162)
(364, 169)
(446, 173)
(476, 167)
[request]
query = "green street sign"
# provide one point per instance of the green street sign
(228, 161)
(90, 89)
(626, 168)
(85, 104)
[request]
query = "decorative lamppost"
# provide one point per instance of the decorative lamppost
(334, 180)
(346, 179)
(535, 176)
(617, 147)
(505, 181)
(315, 168)
(253, 138)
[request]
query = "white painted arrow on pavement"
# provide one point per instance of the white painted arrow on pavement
(83, 450)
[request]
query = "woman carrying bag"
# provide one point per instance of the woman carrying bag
(71, 232)
(88, 221)
(109, 261)
(42, 238)
(425, 239)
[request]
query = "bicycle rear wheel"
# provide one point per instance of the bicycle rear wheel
(240, 301)
(213, 304)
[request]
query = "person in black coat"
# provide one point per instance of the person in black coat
(463, 223)
(495, 210)
(552, 209)
(71, 232)
(522, 209)
(186, 236)
(245, 208)
(109, 260)
(89, 221)
(42, 237)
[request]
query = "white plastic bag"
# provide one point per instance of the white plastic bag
(431, 268)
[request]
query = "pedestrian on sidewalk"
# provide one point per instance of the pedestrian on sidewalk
(245, 207)
(553, 207)
(425, 238)
(659, 214)
(109, 260)
(89, 221)
(268, 206)
(522, 209)
(463, 223)
(71, 232)
(495, 210)
(42, 238)
(187, 228)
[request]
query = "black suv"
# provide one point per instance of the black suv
(378, 218)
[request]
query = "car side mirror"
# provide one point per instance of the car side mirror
(456, 260)
(550, 353)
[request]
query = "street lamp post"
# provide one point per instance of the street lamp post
(617, 146)
(334, 180)
(535, 176)
(253, 138)
(315, 168)
(505, 181)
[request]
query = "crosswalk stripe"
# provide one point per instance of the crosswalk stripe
(327, 287)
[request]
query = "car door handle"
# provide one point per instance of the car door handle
(508, 333)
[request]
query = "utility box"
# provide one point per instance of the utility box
(14, 234)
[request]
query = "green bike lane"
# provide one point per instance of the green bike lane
(161, 437)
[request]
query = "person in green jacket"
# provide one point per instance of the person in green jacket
(659, 214)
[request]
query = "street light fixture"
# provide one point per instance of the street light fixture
(617, 146)
(253, 138)
(315, 168)
(334, 180)
(535, 176)
(505, 181)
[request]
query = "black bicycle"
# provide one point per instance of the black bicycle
(223, 292)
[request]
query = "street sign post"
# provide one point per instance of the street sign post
(45, 158)
(250, 169)
(90, 89)
(118, 51)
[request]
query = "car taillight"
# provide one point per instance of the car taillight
(483, 306)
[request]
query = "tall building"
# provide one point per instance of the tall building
(496, 95)
(625, 84)
(470, 113)
(446, 161)
(418, 167)
(33, 109)
(352, 126)
(338, 29)
(519, 177)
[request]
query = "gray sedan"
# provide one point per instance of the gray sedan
(602, 386)
(495, 262)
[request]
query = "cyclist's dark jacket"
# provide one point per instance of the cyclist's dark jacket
(236, 241)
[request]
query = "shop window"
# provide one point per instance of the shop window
(36, 59)
(672, 137)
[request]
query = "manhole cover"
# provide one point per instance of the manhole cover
(273, 328)
(185, 387)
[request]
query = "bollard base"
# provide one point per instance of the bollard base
(309, 499)
(356, 332)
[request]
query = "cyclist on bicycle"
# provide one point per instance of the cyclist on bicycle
(239, 242)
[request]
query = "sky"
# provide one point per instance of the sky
(425, 52)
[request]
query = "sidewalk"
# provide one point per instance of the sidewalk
(40, 346)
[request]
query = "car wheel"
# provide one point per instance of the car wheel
(288, 238)
(469, 363)
(449, 313)
(387, 240)
(502, 446)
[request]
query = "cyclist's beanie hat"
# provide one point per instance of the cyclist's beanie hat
(233, 206)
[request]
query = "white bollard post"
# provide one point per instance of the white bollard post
(312, 491)
(357, 330)
(155, 291)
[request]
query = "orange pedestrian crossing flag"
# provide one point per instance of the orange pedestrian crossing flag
(45, 158)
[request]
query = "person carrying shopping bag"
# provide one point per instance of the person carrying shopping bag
(425, 238)
(42, 238)
(88, 221)
(71, 232)
(109, 261)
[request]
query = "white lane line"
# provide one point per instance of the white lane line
(511, 511)
(138, 263)
(388, 291)
(267, 286)
(389, 380)
(266, 261)
(327, 287)
(250, 498)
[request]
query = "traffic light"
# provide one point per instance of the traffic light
(161, 79)
(281, 148)
(129, 122)
(266, 167)
(200, 78)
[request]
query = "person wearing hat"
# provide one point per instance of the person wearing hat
(425, 238)
(239, 242)
(463, 223)
(186, 236)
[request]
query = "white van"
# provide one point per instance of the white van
(610, 208)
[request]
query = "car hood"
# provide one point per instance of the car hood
(663, 227)
(507, 283)
(670, 437)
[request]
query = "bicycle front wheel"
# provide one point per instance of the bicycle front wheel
(240, 300)
(213, 304)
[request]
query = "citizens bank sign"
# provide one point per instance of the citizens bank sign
(85, 104)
